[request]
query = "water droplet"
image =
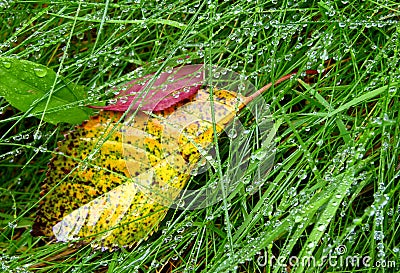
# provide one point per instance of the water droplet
(168, 69)
(357, 221)
(180, 203)
(12, 225)
(178, 237)
(180, 230)
(321, 228)
(40, 72)
(232, 133)
(298, 219)
(6, 64)
(320, 68)
(213, 185)
(246, 179)
(37, 135)
(17, 137)
(155, 264)
(80, 35)
(194, 172)
(259, 154)
(302, 175)
(392, 89)
(123, 99)
(250, 189)
(378, 235)
(324, 55)
(175, 94)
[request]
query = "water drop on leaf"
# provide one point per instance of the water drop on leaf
(7, 64)
(40, 72)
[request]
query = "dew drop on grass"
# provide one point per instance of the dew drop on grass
(181, 203)
(324, 56)
(357, 221)
(246, 180)
(378, 235)
(302, 175)
(180, 230)
(155, 264)
(392, 89)
(320, 68)
(213, 185)
(298, 219)
(232, 133)
(379, 217)
(80, 35)
(12, 225)
(37, 135)
(178, 238)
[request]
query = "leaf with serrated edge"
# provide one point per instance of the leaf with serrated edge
(120, 197)
(112, 182)
(168, 89)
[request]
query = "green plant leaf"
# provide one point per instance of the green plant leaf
(34, 88)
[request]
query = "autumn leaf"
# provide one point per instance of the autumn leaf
(168, 88)
(110, 183)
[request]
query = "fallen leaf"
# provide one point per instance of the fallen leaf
(111, 183)
(168, 89)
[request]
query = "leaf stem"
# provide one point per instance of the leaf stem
(266, 87)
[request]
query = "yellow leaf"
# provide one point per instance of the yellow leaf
(112, 182)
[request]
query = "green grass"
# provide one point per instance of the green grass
(333, 190)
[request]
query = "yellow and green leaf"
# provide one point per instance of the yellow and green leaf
(113, 181)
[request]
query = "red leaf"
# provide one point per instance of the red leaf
(166, 91)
